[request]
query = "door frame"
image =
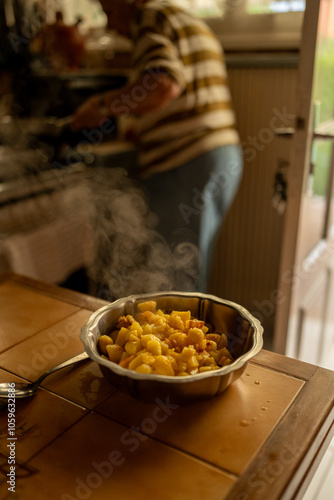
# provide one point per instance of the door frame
(298, 170)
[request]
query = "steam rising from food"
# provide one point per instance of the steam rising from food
(131, 256)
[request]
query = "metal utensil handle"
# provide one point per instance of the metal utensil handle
(76, 359)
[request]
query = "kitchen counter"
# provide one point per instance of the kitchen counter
(46, 181)
(80, 437)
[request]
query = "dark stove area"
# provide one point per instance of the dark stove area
(46, 221)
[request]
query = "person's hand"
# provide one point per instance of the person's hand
(90, 114)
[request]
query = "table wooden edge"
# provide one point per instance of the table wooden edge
(289, 366)
(64, 294)
(289, 477)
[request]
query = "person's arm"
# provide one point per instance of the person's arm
(151, 92)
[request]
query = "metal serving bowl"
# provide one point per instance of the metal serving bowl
(243, 331)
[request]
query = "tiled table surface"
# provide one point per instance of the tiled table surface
(80, 437)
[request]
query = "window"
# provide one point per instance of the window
(252, 24)
(203, 8)
(265, 6)
(90, 11)
(240, 24)
(216, 8)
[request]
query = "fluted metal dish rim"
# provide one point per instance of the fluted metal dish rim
(92, 324)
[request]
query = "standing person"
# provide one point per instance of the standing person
(190, 159)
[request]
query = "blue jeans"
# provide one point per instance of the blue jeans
(191, 202)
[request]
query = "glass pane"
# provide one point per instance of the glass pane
(267, 6)
(323, 98)
(216, 8)
(212, 8)
(322, 158)
(324, 67)
(313, 214)
(203, 8)
(90, 11)
(311, 324)
(331, 202)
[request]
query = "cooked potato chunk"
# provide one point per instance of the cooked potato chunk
(154, 347)
(114, 352)
(105, 340)
(150, 305)
(195, 335)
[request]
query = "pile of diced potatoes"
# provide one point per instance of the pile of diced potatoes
(164, 344)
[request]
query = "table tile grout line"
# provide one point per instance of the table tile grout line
(54, 393)
(34, 455)
(173, 448)
(40, 331)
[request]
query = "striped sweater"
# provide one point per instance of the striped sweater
(168, 40)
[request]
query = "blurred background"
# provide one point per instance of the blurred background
(275, 252)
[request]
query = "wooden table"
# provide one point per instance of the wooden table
(81, 438)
